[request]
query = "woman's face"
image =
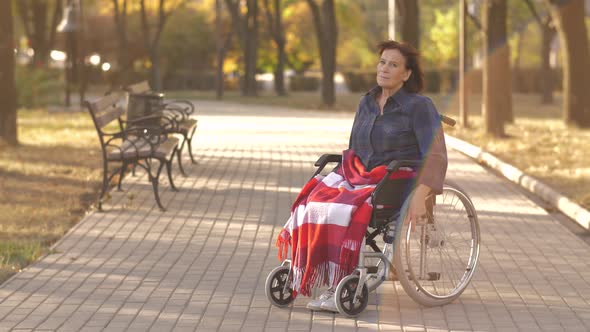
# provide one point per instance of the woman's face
(391, 70)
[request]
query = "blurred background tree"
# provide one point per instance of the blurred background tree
(179, 44)
(8, 130)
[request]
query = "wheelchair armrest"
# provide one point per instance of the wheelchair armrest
(394, 165)
(324, 160)
(328, 158)
(447, 120)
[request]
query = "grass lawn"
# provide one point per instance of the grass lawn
(50, 181)
(46, 184)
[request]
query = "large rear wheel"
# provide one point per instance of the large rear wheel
(437, 259)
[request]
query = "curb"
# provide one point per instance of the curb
(557, 200)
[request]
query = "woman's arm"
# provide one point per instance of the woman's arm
(431, 142)
(417, 209)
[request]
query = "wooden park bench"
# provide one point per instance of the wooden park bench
(144, 102)
(128, 143)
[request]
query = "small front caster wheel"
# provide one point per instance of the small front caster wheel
(275, 288)
(345, 302)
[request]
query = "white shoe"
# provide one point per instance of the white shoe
(330, 304)
(317, 303)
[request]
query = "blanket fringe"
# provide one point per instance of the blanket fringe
(283, 241)
(324, 274)
(349, 254)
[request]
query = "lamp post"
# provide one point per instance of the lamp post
(69, 26)
(463, 87)
(391, 12)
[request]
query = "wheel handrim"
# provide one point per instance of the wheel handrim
(452, 247)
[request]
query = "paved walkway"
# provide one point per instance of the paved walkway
(202, 265)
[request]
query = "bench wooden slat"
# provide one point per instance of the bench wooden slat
(141, 149)
(106, 101)
(108, 115)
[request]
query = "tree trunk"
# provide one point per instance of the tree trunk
(568, 16)
(497, 97)
(123, 59)
(246, 29)
(251, 51)
(82, 49)
(274, 18)
(156, 76)
(39, 40)
(279, 74)
(327, 36)
(547, 77)
(8, 126)
(463, 70)
(57, 13)
(152, 45)
(219, 79)
(410, 27)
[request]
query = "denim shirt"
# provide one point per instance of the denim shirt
(409, 128)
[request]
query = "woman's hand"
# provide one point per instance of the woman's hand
(417, 209)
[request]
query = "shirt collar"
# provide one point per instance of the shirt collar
(400, 97)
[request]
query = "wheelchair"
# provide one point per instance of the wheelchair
(434, 259)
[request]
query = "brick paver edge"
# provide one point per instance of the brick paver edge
(557, 200)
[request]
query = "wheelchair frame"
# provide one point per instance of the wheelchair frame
(392, 229)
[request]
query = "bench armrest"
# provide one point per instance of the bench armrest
(175, 113)
(153, 134)
(183, 105)
(168, 123)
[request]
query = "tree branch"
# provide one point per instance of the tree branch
(237, 20)
(475, 21)
(162, 16)
(23, 10)
(54, 23)
(317, 18)
(144, 25)
(534, 12)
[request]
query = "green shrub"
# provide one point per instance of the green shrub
(359, 81)
(36, 87)
(440, 80)
(432, 81)
(304, 83)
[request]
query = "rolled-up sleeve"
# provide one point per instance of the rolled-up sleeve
(431, 142)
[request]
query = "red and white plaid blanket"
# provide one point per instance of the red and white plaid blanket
(328, 222)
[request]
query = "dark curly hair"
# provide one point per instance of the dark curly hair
(415, 82)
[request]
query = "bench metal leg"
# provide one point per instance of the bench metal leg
(178, 155)
(169, 171)
(105, 185)
(121, 173)
(155, 180)
(190, 145)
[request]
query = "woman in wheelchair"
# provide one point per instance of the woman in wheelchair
(329, 218)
